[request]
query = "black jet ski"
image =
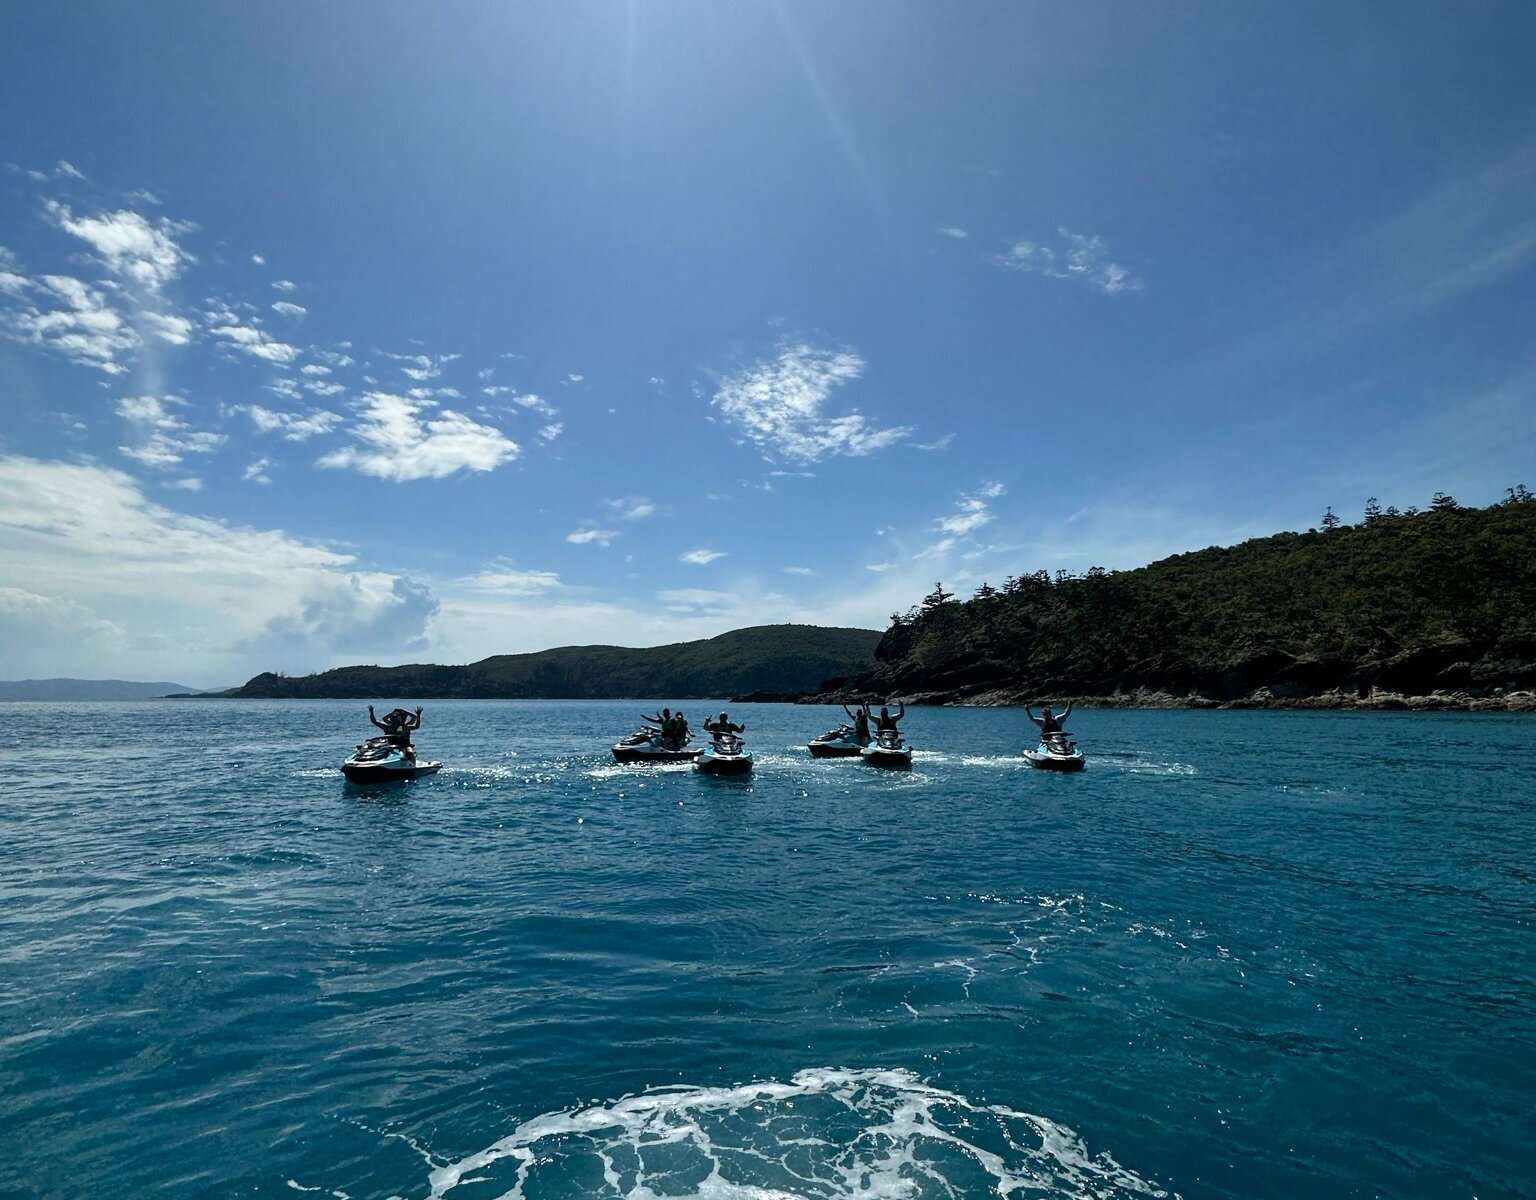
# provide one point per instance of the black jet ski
(647, 745)
(841, 742)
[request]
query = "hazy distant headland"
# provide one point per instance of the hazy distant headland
(86, 689)
(1433, 609)
(766, 660)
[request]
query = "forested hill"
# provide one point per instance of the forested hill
(1412, 604)
(765, 658)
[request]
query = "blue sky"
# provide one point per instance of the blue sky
(400, 332)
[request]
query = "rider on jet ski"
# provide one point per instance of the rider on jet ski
(1050, 724)
(885, 723)
(723, 726)
(397, 725)
(860, 722)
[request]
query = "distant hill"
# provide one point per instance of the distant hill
(1403, 604)
(86, 689)
(765, 658)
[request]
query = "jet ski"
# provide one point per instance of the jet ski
(888, 751)
(841, 742)
(1056, 753)
(647, 745)
(726, 755)
(377, 761)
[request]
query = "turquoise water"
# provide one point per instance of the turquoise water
(1243, 954)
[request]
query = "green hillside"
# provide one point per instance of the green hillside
(1409, 603)
(766, 658)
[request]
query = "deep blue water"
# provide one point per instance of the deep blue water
(1243, 954)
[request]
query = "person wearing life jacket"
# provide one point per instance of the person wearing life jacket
(723, 726)
(860, 721)
(885, 722)
(1048, 721)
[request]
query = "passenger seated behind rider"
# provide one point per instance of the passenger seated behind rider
(1050, 724)
(723, 726)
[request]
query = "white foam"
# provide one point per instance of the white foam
(825, 1133)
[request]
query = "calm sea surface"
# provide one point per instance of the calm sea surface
(1243, 954)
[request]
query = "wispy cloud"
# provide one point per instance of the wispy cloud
(631, 508)
(591, 536)
(797, 570)
(256, 472)
(953, 231)
(295, 427)
(252, 340)
(289, 309)
(162, 438)
(285, 285)
(403, 439)
(778, 404)
(128, 244)
(972, 511)
(69, 317)
(503, 580)
(1078, 256)
(701, 557)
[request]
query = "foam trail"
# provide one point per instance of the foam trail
(826, 1133)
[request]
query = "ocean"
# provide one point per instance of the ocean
(1243, 954)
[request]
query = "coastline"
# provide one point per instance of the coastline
(1262, 698)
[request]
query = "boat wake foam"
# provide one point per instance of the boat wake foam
(824, 1133)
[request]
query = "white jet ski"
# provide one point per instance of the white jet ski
(889, 750)
(1056, 753)
(377, 761)
(726, 755)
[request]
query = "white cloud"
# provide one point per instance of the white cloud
(314, 369)
(86, 330)
(590, 536)
(400, 442)
(321, 388)
(551, 431)
(189, 484)
(295, 427)
(508, 581)
(937, 444)
(289, 309)
(258, 260)
(256, 342)
(285, 285)
(69, 170)
(190, 598)
(971, 512)
(11, 283)
(797, 571)
(334, 358)
(256, 472)
(168, 328)
(631, 508)
(163, 438)
(701, 556)
(574, 378)
(422, 367)
(1074, 256)
(686, 599)
(778, 404)
(880, 567)
(130, 246)
(953, 231)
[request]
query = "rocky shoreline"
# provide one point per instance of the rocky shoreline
(1376, 701)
